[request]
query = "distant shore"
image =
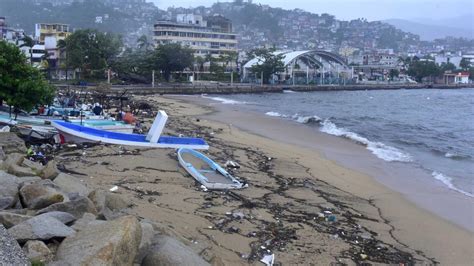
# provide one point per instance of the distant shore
(228, 88)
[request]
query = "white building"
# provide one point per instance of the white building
(461, 78)
(448, 58)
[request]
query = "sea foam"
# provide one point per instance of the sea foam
(223, 100)
(448, 181)
(381, 150)
(274, 114)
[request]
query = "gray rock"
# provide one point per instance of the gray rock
(148, 234)
(111, 243)
(70, 184)
(10, 251)
(11, 143)
(26, 180)
(77, 207)
(63, 217)
(12, 165)
(9, 219)
(84, 222)
(109, 205)
(40, 228)
(2, 154)
(35, 166)
(37, 251)
(40, 194)
(168, 251)
(50, 171)
(8, 190)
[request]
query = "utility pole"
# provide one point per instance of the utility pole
(232, 77)
(261, 77)
(108, 76)
(307, 75)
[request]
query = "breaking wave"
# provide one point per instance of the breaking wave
(307, 119)
(223, 100)
(448, 181)
(288, 91)
(274, 114)
(382, 151)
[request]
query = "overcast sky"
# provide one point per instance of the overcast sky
(351, 9)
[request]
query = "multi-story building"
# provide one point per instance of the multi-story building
(211, 35)
(56, 30)
(9, 34)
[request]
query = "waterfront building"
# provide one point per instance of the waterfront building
(55, 30)
(9, 34)
(211, 35)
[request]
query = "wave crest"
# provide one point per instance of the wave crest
(448, 181)
(379, 149)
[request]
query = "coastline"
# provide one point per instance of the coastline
(280, 213)
(447, 210)
(412, 182)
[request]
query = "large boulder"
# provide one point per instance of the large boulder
(8, 190)
(11, 143)
(50, 171)
(111, 243)
(84, 222)
(10, 219)
(26, 180)
(42, 227)
(63, 217)
(148, 234)
(37, 251)
(169, 251)
(12, 165)
(77, 207)
(71, 185)
(35, 166)
(10, 251)
(109, 205)
(40, 194)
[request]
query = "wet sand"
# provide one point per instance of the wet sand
(301, 206)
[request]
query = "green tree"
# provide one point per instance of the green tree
(465, 64)
(268, 62)
(393, 73)
(92, 51)
(447, 67)
(172, 57)
(21, 85)
(421, 69)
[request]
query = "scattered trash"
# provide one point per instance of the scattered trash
(332, 218)
(238, 215)
(268, 260)
(115, 188)
(363, 256)
(232, 164)
(204, 188)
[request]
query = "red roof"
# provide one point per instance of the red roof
(463, 74)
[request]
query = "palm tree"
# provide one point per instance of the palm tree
(28, 42)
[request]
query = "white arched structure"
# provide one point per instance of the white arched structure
(306, 66)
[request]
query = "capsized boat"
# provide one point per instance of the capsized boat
(70, 132)
(206, 171)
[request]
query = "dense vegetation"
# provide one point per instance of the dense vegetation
(21, 85)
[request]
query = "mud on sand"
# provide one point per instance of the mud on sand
(288, 210)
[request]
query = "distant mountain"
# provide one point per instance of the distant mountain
(429, 30)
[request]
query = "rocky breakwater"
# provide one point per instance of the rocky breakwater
(52, 218)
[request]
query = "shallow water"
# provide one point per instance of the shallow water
(433, 129)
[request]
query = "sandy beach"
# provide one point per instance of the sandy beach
(302, 204)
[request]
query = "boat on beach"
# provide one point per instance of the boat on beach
(206, 171)
(70, 132)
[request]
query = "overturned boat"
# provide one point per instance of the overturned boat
(70, 132)
(206, 171)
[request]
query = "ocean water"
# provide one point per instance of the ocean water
(433, 129)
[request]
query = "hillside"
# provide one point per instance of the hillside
(430, 32)
(256, 24)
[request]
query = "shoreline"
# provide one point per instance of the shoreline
(285, 211)
(423, 190)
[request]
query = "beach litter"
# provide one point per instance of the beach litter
(113, 189)
(268, 260)
(232, 164)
